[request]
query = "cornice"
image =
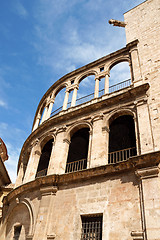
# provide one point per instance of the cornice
(134, 164)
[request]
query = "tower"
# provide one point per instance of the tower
(90, 170)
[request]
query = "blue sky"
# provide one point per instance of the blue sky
(41, 41)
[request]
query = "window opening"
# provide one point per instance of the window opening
(17, 231)
(101, 86)
(122, 140)
(44, 159)
(72, 81)
(58, 103)
(86, 90)
(120, 77)
(91, 228)
(78, 151)
(101, 69)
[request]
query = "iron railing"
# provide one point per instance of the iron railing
(121, 155)
(91, 228)
(76, 166)
(42, 173)
(119, 86)
(89, 97)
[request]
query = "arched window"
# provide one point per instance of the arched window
(78, 151)
(122, 140)
(44, 159)
(58, 103)
(86, 90)
(120, 77)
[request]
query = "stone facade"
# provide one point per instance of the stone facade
(122, 185)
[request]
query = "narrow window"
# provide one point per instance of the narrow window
(44, 159)
(91, 227)
(17, 231)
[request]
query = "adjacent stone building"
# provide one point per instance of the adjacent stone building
(90, 170)
(5, 182)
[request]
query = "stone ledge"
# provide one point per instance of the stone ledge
(132, 164)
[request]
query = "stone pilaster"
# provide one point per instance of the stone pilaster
(149, 190)
(32, 164)
(44, 218)
(99, 144)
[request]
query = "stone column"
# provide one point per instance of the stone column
(50, 108)
(65, 100)
(51, 161)
(96, 92)
(106, 88)
(135, 64)
(99, 145)
(149, 190)
(38, 118)
(44, 221)
(44, 117)
(32, 164)
(73, 103)
(59, 157)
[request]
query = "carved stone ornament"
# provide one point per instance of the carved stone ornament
(137, 235)
(149, 172)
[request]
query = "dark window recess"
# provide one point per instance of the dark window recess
(101, 69)
(72, 81)
(17, 231)
(91, 228)
(78, 151)
(122, 140)
(44, 159)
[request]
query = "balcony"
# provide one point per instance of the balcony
(121, 155)
(113, 88)
(76, 166)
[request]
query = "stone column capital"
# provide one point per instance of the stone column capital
(97, 117)
(66, 141)
(61, 129)
(149, 172)
(105, 129)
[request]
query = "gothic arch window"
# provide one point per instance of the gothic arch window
(78, 151)
(44, 159)
(120, 76)
(122, 139)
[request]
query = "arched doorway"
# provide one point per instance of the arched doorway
(44, 159)
(122, 140)
(78, 151)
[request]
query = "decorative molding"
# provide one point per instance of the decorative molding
(51, 236)
(37, 153)
(48, 190)
(149, 172)
(105, 129)
(66, 141)
(137, 235)
(29, 237)
(61, 129)
(97, 117)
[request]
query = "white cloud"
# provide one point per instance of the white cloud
(20, 9)
(3, 103)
